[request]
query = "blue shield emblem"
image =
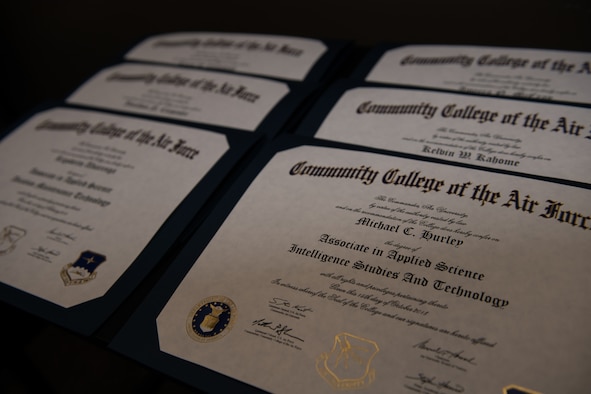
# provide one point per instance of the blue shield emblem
(83, 269)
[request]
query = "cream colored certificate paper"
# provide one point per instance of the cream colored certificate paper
(195, 96)
(531, 73)
(341, 270)
(82, 193)
(266, 55)
(533, 138)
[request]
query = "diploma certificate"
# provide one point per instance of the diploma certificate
(84, 192)
(514, 72)
(282, 57)
(343, 270)
(533, 138)
(213, 98)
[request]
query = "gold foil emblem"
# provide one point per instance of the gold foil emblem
(348, 365)
(8, 237)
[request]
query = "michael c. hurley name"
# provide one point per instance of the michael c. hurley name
(425, 234)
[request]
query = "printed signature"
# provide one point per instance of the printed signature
(423, 379)
(444, 353)
(44, 254)
(45, 251)
(60, 236)
(285, 303)
(279, 329)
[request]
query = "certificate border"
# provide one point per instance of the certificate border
(104, 315)
(138, 338)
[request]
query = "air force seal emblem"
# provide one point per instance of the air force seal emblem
(348, 365)
(83, 269)
(211, 319)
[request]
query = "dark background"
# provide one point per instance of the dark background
(48, 48)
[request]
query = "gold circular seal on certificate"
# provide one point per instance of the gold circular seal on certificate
(211, 318)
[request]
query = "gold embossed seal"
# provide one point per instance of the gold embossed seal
(348, 365)
(211, 318)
